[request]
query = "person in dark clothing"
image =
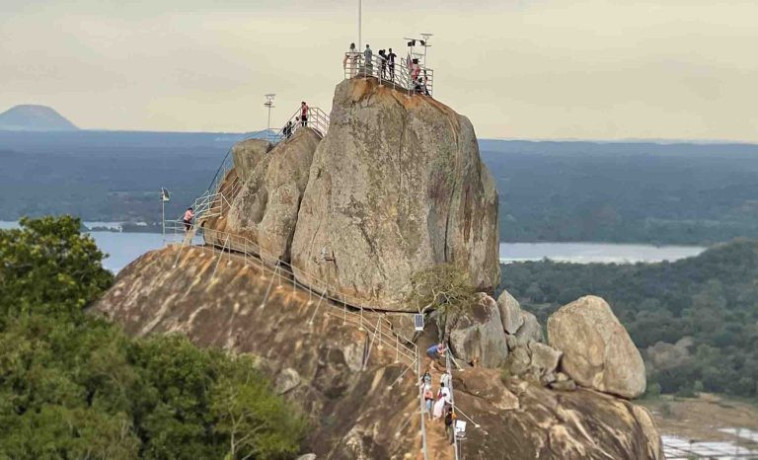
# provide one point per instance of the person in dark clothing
(391, 61)
(449, 420)
(287, 130)
(383, 60)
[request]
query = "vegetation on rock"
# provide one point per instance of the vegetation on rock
(74, 386)
(696, 320)
(445, 288)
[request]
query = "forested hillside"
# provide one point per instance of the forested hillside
(625, 192)
(712, 299)
(549, 191)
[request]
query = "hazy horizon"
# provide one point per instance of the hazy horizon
(543, 70)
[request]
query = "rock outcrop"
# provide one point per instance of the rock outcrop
(521, 420)
(271, 182)
(478, 336)
(597, 351)
(369, 413)
(510, 313)
(395, 187)
(318, 364)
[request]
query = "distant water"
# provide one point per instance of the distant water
(123, 248)
(585, 253)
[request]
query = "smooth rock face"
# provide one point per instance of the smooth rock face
(530, 331)
(219, 305)
(597, 351)
(395, 187)
(544, 357)
(265, 209)
(510, 312)
(478, 335)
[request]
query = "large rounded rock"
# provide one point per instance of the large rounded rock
(395, 187)
(478, 335)
(510, 312)
(271, 184)
(597, 351)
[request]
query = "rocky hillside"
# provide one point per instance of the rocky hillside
(357, 411)
(395, 187)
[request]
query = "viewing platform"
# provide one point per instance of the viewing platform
(414, 78)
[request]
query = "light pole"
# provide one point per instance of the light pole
(360, 18)
(270, 104)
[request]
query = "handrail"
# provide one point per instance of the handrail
(253, 252)
(317, 120)
(448, 369)
(414, 78)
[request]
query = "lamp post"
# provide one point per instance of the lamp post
(360, 19)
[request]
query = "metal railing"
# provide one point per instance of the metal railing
(413, 78)
(371, 320)
(317, 120)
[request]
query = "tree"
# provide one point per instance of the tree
(256, 423)
(446, 288)
(75, 386)
(47, 266)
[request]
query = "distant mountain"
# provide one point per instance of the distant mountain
(34, 118)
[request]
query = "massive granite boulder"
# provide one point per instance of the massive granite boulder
(265, 203)
(597, 351)
(477, 335)
(395, 187)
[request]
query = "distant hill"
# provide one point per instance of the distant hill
(34, 118)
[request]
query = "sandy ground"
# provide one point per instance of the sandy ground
(699, 419)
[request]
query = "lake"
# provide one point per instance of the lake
(585, 253)
(122, 248)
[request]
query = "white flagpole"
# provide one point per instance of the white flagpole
(360, 44)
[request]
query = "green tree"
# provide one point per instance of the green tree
(47, 266)
(74, 386)
(446, 288)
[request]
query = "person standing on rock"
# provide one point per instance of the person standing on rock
(443, 399)
(449, 421)
(446, 379)
(391, 61)
(368, 56)
(351, 57)
(383, 62)
(304, 114)
(436, 351)
(189, 214)
(426, 389)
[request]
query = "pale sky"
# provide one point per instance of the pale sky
(529, 69)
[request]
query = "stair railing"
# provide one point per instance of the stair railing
(414, 78)
(351, 312)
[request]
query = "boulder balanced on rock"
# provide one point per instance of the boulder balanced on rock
(597, 351)
(395, 187)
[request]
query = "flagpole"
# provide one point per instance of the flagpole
(360, 44)
(163, 217)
